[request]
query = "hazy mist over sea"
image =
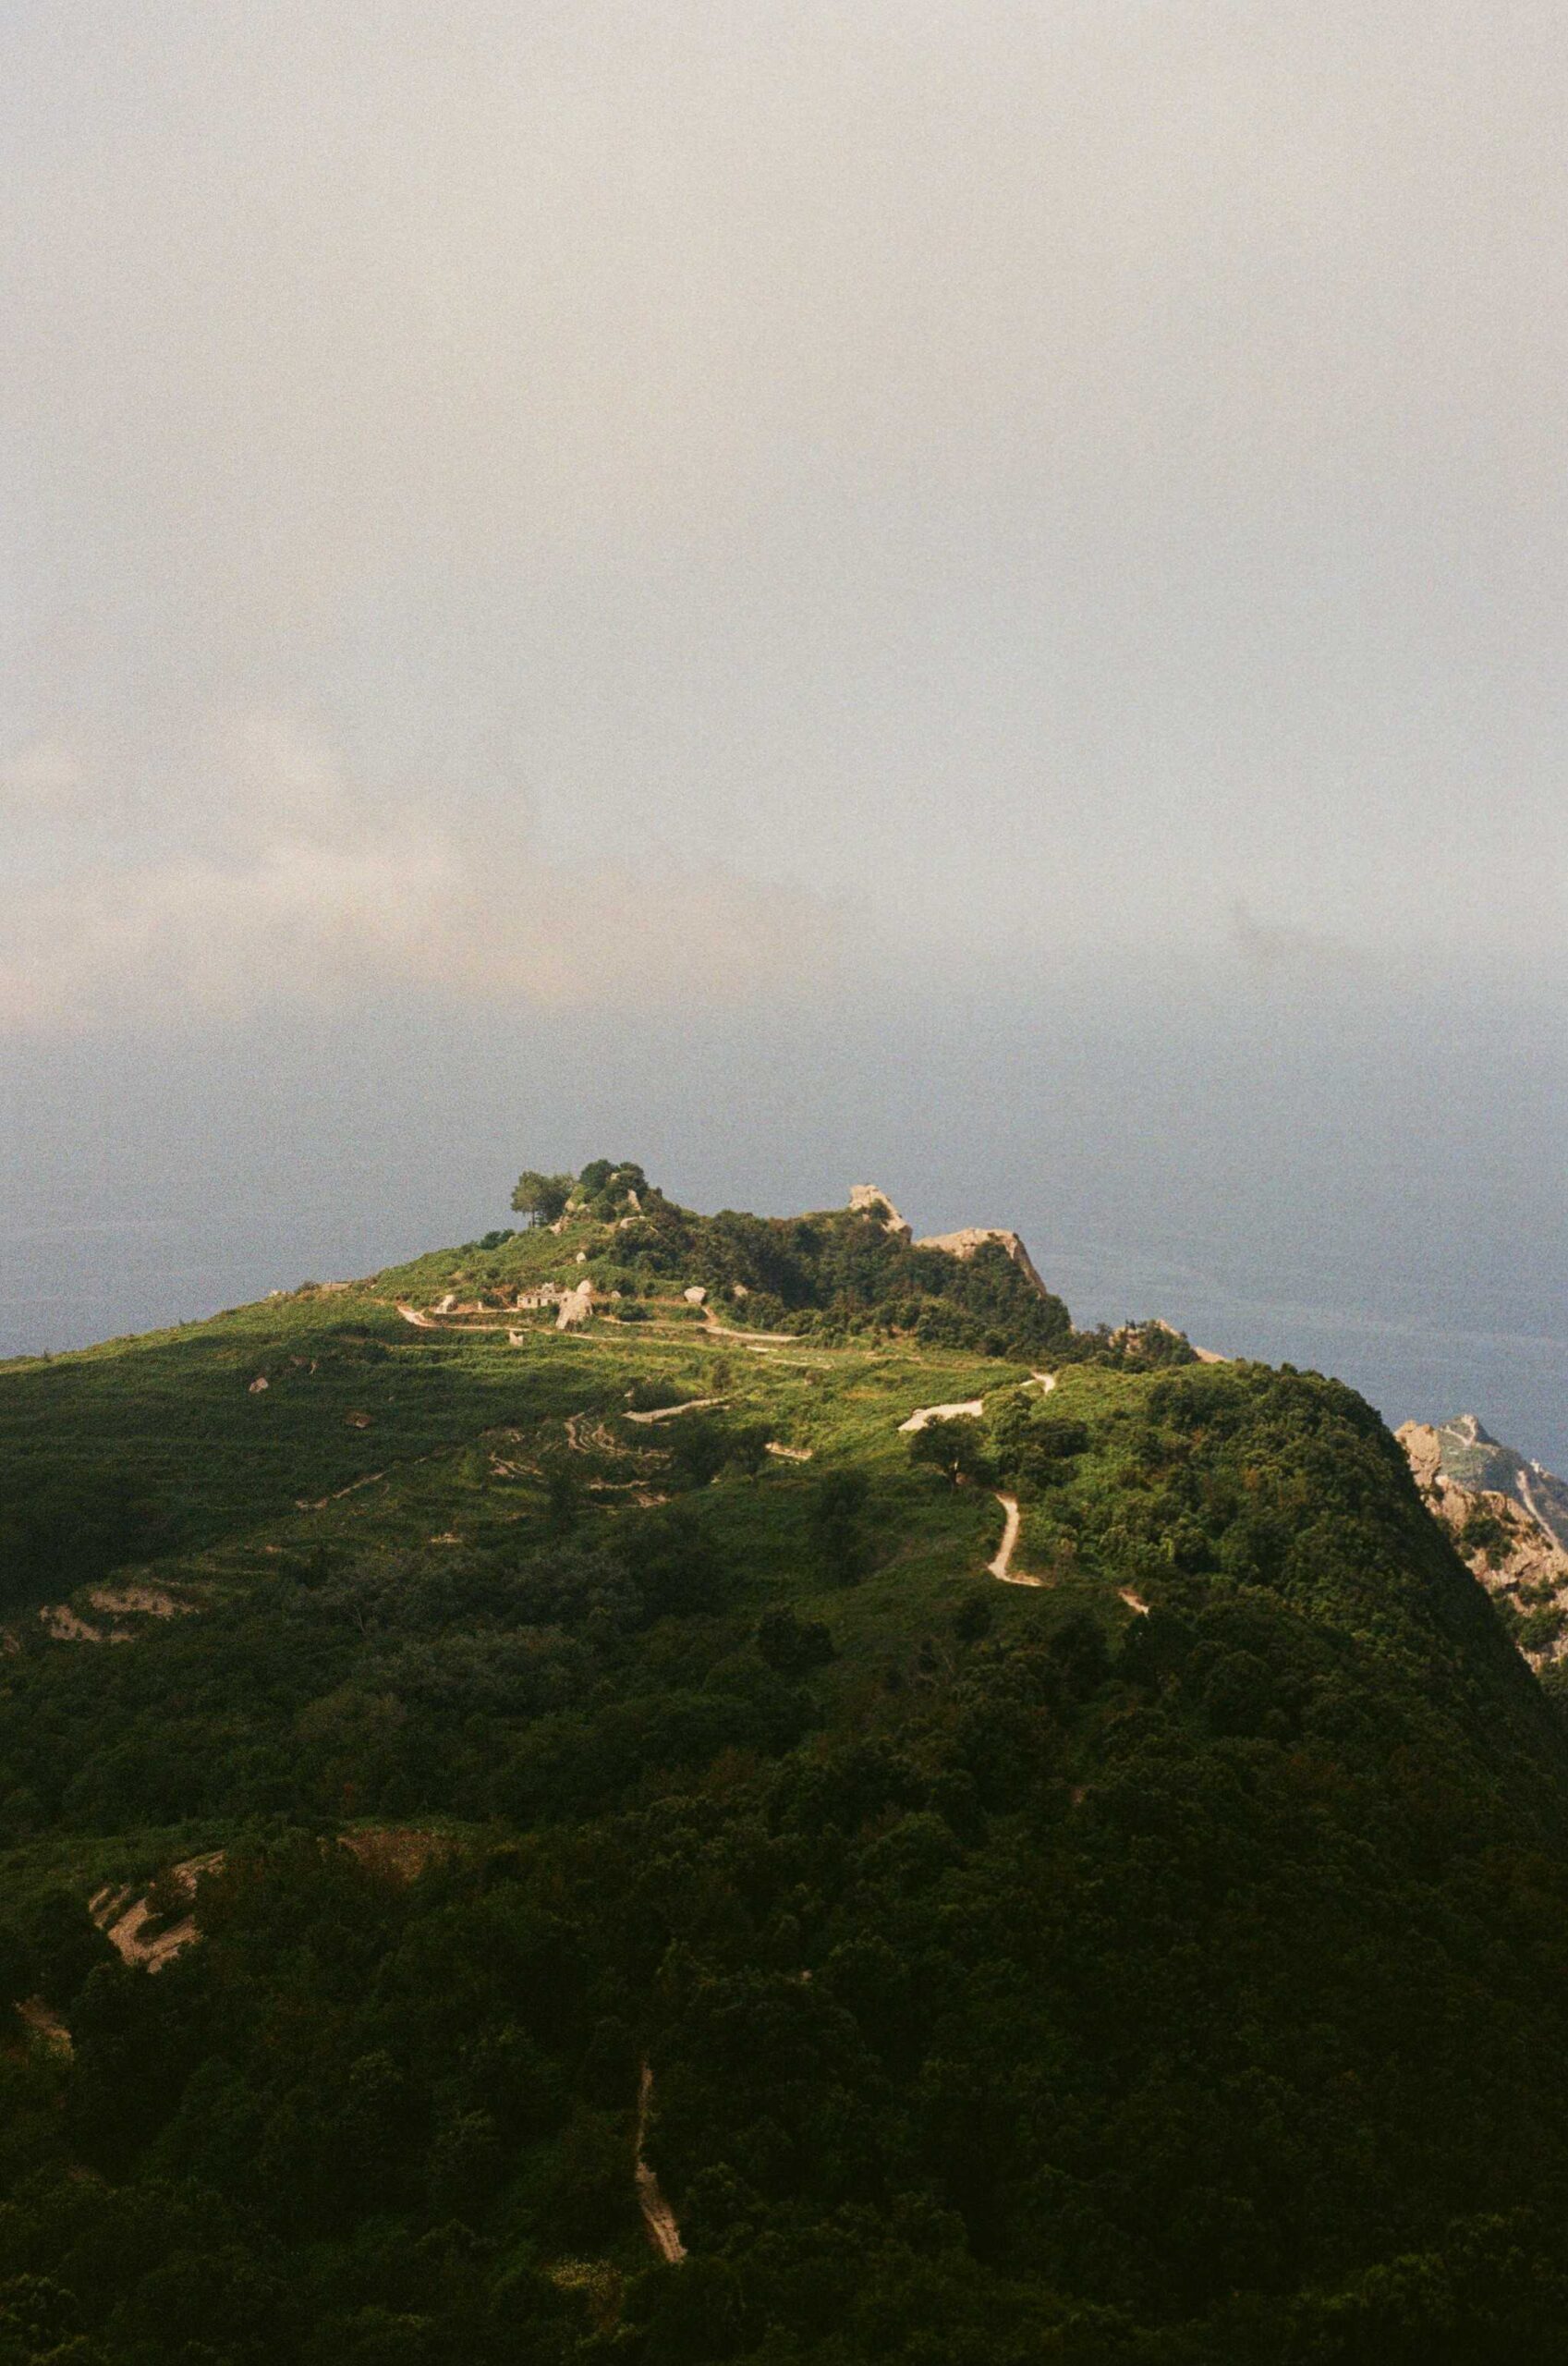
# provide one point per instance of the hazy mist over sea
(964, 596)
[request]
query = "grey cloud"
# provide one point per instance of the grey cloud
(1272, 952)
(269, 879)
(938, 458)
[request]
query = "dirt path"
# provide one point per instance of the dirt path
(320, 1503)
(657, 2215)
(1002, 1566)
(717, 1330)
(924, 1415)
(668, 1412)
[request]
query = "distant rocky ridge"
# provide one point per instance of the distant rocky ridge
(1475, 1458)
(1509, 1518)
(866, 1199)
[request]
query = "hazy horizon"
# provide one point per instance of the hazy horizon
(1387, 1213)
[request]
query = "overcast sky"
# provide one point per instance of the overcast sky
(534, 526)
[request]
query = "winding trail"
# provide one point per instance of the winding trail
(1001, 1566)
(924, 1415)
(657, 2215)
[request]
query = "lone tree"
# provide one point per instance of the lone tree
(955, 1446)
(541, 1197)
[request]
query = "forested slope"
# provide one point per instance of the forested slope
(1161, 1958)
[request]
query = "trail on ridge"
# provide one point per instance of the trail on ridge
(657, 2215)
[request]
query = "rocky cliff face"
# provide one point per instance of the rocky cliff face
(869, 1200)
(866, 1199)
(964, 1244)
(1509, 1518)
(1475, 1459)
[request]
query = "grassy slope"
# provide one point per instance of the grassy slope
(463, 1428)
(154, 1460)
(1127, 1881)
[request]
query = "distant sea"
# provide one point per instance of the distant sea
(1367, 1183)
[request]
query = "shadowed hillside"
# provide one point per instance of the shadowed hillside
(535, 1832)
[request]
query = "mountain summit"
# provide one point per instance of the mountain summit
(810, 1813)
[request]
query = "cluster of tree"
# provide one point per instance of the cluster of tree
(841, 1273)
(837, 1275)
(603, 1189)
(1143, 1994)
(1018, 1446)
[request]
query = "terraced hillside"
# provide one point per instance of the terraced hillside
(534, 1832)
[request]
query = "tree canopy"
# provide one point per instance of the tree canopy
(541, 1197)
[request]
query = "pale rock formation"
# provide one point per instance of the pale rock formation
(866, 1199)
(146, 1602)
(974, 1238)
(123, 1917)
(59, 1619)
(1528, 1564)
(695, 1295)
(576, 1307)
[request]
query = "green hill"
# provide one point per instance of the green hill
(537, 1834)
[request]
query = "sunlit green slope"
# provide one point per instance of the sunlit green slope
(692, 1862)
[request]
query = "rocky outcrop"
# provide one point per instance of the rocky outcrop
(576, 1307)
(866, 1199)
(1475, 1459)
(975, 1238)
(1504, 1537)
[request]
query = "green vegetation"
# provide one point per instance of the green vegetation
(1157, 1965)
(541, 1197)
